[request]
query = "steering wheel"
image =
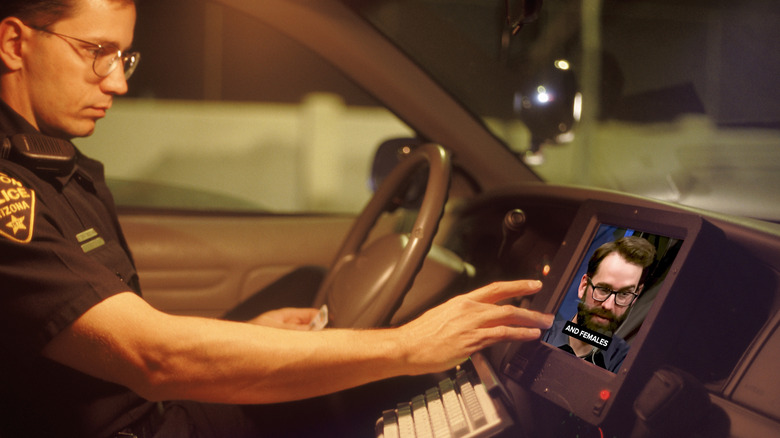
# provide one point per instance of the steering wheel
(365, 286)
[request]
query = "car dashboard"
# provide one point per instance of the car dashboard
(703, 341)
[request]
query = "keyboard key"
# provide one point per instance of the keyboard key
(457, 420)
(487, 403)
(405, 421)
(422, 421)
(470, 401)
(436, 413)
(391, 424)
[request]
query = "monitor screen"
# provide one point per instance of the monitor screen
(609, 295)
(607, 286)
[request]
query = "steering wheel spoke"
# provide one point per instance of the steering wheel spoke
(366, 286)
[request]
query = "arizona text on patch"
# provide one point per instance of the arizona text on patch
(17, 210)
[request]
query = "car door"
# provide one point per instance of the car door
(205, 264)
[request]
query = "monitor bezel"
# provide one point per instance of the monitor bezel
(546, 370)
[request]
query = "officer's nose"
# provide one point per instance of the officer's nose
(115, 83)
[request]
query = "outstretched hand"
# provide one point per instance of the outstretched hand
(449, 333)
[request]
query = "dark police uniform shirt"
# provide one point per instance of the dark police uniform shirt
(61, 252)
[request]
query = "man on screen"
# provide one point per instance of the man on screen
(611, 284)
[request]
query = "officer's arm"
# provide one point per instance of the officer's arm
(161, 356)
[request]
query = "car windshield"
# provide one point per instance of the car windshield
(675, 100)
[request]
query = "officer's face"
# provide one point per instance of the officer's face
(64, 96)
(614, 273)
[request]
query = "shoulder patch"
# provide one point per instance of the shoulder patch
(17, 210)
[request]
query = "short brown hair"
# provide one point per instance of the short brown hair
(41, 13)
(635, 250)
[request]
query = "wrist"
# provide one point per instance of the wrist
(406, 352)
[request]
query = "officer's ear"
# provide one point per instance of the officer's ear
(11, 31)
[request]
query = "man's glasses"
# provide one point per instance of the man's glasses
(602, 293)
(107, 58)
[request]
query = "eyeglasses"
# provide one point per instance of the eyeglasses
(602, 293)
(107, 57)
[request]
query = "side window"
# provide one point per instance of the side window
(225, 113)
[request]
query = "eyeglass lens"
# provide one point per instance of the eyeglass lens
(601, 293)
(105, 64)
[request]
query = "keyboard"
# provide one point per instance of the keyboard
(460, 406)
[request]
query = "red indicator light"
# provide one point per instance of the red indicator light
(604, 394)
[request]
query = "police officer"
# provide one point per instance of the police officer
(83, 354)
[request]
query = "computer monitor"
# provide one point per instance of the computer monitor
(589, 388)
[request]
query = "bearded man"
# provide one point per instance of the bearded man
(611, 284)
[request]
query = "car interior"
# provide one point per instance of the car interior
(441, 206)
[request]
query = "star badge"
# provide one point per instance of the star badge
(17, 210)
(16, 223)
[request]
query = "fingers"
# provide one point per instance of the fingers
(478, 308)
(472, 322)
(490, 336)
(286, 317)
(495, 292)
(516, 325)
(508, 322)
(298, 314)
(516, 317)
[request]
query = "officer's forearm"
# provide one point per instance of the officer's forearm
(162, 357)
